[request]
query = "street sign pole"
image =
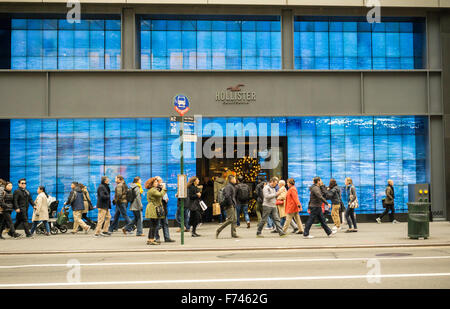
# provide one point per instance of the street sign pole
(182, 173)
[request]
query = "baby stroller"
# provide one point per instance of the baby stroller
(56, 223)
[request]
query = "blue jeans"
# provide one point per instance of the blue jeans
(121, 210)
(35, 224)
(138, 221)
(243, 207)
(187, 214)
(270, 222)
(164, 224)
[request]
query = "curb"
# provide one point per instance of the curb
(228, 249)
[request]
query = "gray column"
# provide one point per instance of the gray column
(433, 41)
(130, 60)
(287, 39)
(445, 45)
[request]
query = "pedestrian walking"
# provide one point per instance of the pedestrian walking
(229, 205)
(76, 200)
(155, 209)
(293, 207)
(194, 195)
(6, 207)
(21, 201)
(136, 207)
(121, 202)
(187, 227)
(352, 204)
(164, 222)
(87, 206)
(242, 199)
(259, 197)
(103, 207)
(269, 207)
(219, 183)
(316, 200)
(333, 193)
(281, 204)
(388, 203)
(40, 213)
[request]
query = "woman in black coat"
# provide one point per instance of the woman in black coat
(194, 195)
(103, 206)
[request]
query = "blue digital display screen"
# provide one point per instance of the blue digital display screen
(55, 44)
(370, 150)
(210, 43)
(325, 43)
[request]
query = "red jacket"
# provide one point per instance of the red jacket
(292, 201)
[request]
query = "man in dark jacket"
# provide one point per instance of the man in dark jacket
(6, 206)
(229, 205)
(120, 200)
(242, 198)
(103, 206)
(389, 203)
(21, 200)
(76, 200)
(259, 197)
(316, 200)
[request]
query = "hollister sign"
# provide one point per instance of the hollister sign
(235, 95)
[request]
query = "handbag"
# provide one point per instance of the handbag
(160, 211)
(279, 202)
(354, 204)
(216, 209)
(203, 205)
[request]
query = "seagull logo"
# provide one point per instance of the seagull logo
(236, 88)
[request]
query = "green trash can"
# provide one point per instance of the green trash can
(418, 220)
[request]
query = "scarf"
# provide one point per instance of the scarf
(140, 188)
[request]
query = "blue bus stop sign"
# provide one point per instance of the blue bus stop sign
(181, 104)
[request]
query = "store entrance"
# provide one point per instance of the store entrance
(250, 157)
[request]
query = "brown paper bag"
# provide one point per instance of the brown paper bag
(216, 209)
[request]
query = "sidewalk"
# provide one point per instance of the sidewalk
(369, 235)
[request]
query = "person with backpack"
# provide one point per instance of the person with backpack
(7, 206)
(316, 199)
(76, 200)
(135, 199)
(121, 202)
(22, 199)
(333, 193)
(103, 207)
(228, 201)
(259, 197)
(242, 198)
(87, 206)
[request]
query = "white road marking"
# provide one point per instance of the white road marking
(17, 285)
(229, 261)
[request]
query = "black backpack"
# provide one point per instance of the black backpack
(131, 195)
(243, 193)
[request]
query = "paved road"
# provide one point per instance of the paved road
(273, 269)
